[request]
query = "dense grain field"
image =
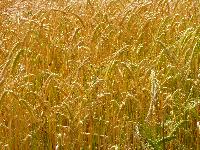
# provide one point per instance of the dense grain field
(99, 74)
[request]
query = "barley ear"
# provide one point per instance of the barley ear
(17, 59)
(153, 102)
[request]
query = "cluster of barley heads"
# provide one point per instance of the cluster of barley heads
(99, 74)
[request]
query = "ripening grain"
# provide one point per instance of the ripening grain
(99, 74)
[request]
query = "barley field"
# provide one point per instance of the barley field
(100, 75)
